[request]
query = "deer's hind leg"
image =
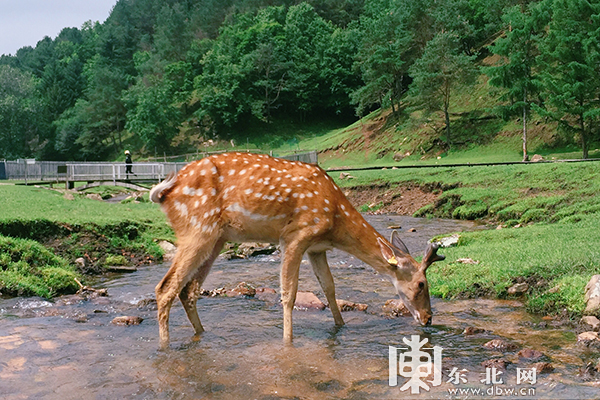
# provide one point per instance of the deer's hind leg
(190, 263)
(189, 294)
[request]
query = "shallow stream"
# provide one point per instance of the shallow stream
(68, 348)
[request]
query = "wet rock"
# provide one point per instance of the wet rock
(591, 322)
(127, 320)
(81, 319)
(543, 367)
(231, 255)
(467, 261)
(168, 248)
(80, 263)
(498, 363)
(94, 196)
(530, 354)
(471, 330)
(395, 308)
(308, 301)
(256, 249)
(592, 295)
(518, 288)
(588, 339)
(345, 305)
(499, 345)
(147, 305)
(411, 230)
(242, 289)
(449, 241)
(122, 269)
(267, 294)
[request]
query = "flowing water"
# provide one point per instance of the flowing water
(68, 348)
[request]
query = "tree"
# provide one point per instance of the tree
(516, 68)
(570, 59)
(441, 69)
(392, 36)
(19, 114)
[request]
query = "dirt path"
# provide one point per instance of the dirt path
(399, 199)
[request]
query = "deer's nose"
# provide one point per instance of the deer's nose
(428, 322)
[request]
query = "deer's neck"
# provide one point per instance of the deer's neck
(356, 236)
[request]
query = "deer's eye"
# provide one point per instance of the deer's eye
(421, 285)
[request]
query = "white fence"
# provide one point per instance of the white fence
(42, 171)
(57, 171)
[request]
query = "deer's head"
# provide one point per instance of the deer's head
(408, 276)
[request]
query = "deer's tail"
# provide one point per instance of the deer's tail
(156, 194)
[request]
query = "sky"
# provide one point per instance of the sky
(25, 22)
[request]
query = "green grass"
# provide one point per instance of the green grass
(28, 268)
(545, 255)
(526, 193)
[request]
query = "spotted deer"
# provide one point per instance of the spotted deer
(242, 197)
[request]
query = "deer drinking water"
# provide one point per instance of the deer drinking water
(243, 197)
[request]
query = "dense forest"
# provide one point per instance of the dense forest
(171, 74)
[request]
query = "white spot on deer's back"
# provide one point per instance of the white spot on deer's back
(248, 191)
(221, 178)
(213, 191)
(214, 170)
(326, 201)
(326, 209)
(242, 172)
(202, 172)
(231, 172)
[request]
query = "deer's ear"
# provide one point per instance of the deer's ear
(387, 252)
(398, 243)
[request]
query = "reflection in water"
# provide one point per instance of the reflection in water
(46, 353)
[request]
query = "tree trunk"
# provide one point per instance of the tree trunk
(447, 116)
(525, 155)
(584, 144)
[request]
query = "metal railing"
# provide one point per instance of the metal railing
(57, 171)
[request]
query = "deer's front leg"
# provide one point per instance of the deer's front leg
(323, 273)
(290, 266)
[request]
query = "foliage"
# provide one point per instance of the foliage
(27, 268)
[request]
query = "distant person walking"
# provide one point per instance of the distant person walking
(128, 164)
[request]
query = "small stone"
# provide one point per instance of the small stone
(345, 305)
(231, 255)
(530, 354)
(499, 345)
(398, 157)
(345, 175)
(449, 241)
(467, 261)
(147, 305)
(125, 320)
(80, 262)
(592, 296)
(555, 289)
(394, 227)
(499, 363)
(588, 338)
(471, 330)
(412, 230)
(81, 319)
(242, 289)
(518, 288)
(167, 246)
(591, 322)
(266, 294)
(543, 367)
(395, 308)
(537, 158)
(94, 196)
(255, 249)
(308, 301)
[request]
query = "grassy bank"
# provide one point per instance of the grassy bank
(555, 249)
(43, 231)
